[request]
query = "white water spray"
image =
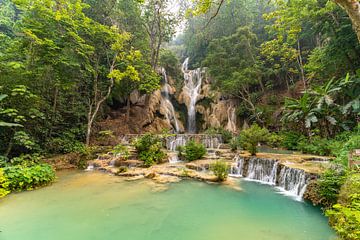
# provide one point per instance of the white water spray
(192, 87)
(167, 105)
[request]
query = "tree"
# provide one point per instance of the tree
(352, 7)
(236, 69)
(251, 137)
(160, 26)
(220, 169)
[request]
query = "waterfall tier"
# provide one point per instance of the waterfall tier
(192, 88)
(209, 141)
(166, 104)
(290, 181)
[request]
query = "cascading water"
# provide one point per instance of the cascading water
(237, 168)
(290, 181)
(167, 105)
(192, 87)
(293, 181)
(209, 141)
(263, 170)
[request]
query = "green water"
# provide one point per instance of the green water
(89, 206)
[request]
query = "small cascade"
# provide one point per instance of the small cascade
(263, 170)
(209, 141)
(237, 168)
(293, 181)
(192, 87)
(170, 113)
(173, 158)
(173, 142)
(90, 167)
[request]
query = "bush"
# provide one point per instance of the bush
(192, 151)
(66, 143)
(3, 184)
(28, 177)
(275, 140)
(290, 140)
(329, 185)
(149, 149)
(251, 137)
(220, 169)
(345, 219)
(121, 150)
(234, 143)
(315, 145)
(152, 156)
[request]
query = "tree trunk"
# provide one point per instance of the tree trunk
(352, 7)
(301, 65)
(96, 104)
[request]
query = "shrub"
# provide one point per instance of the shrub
(149, 149)
(193, 151)
(3, 184)
(121, 150)
(67, 142)
(315, 145)
(26, 178)
(144, 142)
(220, 169)
(345, 219)
(275, 140)
(290, 140)
(329, 185)
(152, 156)
(25, 160)
(251, 137)
(234, 143)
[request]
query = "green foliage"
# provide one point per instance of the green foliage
(346, 219)
(291, 139)
(251, 137)
(4, 184)
(149, 148)
(315, 145)
(226, 135)
(329, 185)
(21, 177)
(344, 216)
(275, 140)
(192, 151)
(121, 150)
(220, 169)
(67, 142)
(235, 143)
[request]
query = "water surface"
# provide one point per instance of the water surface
(95, 206)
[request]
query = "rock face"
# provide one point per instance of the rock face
(168, 108)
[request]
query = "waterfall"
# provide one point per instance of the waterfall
(263, 170)
(170, 113)
(173, 158)
(237, 168)
(173, 142)
(209, 141)
(192, 87)
(293, 181)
